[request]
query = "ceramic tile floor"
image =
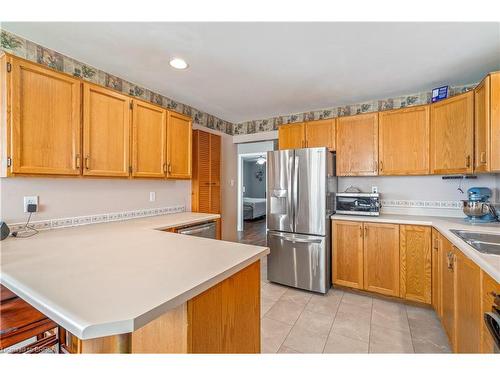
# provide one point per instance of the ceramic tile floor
(295, 321)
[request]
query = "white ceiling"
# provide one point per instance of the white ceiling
(248, 71)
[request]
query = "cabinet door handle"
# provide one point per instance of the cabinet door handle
(87, 162)
(77, 161)
(467, 161)
(361, 231)
(381, 165)
(436, 245)
(169, 168)
(482, 157)
(164, 167)
(366, 231)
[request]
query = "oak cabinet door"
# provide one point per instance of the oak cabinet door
(452, 123)
(215, 176)
(436, 265)
(482, 126)
(468, 305)
(415, 263)
(291, 136)
(178, 146)
(201, 171)
(357, 145)
(106, 132)
(45, 127)
(347, 257)
(447, 290)
(495, 122)
(206, 183)
(489, 289)
(381, 258)
(404, 141)
(320, 133)
(149, 140)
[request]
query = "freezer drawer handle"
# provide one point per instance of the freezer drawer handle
(296, 239)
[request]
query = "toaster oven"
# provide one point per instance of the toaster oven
(358, 204)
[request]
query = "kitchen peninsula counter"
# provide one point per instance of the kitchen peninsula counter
(114, 278)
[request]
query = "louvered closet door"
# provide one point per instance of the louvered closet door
(203, 171)
(215, 189)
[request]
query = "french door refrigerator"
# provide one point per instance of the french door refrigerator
(301, 186)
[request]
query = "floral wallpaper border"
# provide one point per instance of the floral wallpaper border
(256, 126)
(31, 51)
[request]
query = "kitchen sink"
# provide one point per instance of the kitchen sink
(487, 243)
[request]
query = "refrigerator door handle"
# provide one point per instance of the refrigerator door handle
(295, 190)
(291, 186)
(292, 238)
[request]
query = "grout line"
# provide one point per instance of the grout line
(409, 327)
(333, 321)
(370, 333)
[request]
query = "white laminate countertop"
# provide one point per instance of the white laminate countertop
(488, 262)
(112, 278)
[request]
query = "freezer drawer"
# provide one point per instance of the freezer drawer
(299, 260)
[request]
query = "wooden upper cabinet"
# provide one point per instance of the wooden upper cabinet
(447, 289)
(106, 132)
(404, 141)
(482, 126)
(381, 258)
(291, 136)
(495, 122)
(347, 257)
(149, 140)
(44, 126)
(320, 133)
(179, 146)
(415, 263)
(357, 145)
(452, 124)
(468, 305)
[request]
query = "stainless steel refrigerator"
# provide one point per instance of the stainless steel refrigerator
(301, 187)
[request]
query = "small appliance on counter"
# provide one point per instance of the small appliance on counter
(357, 203)
(478, 208)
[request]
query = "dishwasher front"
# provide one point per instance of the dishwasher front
(206, 230)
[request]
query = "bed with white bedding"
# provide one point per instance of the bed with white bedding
(253, 208)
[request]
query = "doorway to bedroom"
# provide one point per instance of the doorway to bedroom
(252, 188)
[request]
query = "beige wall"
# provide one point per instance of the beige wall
(68, 197)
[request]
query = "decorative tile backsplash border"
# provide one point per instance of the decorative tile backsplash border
(256, 126)
(452, 205)
(31, 51)
(99, 218)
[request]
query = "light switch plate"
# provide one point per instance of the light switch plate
(374, 189)
(152, 196)
(30, 200)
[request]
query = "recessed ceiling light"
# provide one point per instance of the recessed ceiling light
(178, 63)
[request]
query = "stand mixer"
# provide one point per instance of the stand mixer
(478, 208)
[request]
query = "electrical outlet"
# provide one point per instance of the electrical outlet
(152, 196)
(30, 200)
(374, 189)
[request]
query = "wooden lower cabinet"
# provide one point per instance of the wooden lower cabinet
(436, 265)
(415, 263)
(381, 258)
(347, 259)
(489, 288)
(223, 319)
(467, 305)
(447, 290)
